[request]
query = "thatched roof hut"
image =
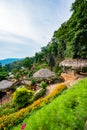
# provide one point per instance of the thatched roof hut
(74, 63)
(44, 74)
(5, 84)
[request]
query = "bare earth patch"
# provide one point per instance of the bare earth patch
(69, 81)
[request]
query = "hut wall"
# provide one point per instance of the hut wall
(68, 71)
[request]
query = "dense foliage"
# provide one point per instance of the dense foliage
(71, 36)
(21, 97)
(3, 73)
(70, 39)
(43, 84)
(14, 66)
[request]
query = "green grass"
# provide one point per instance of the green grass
(66, 112)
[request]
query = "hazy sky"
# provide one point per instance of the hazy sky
(28, 25)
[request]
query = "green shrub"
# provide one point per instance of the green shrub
(43, 84)
(30, 73)
(39, 94)
(21, 97)
(58, 70)
(53, 79)
(84, 69)
(6, 108)
(33, 82)
(3, 73)
(7, 111)
(41, 65)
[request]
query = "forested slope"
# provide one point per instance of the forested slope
(68, 41)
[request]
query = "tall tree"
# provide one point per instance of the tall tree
(72, 34)
(0, 65)
(27, 62)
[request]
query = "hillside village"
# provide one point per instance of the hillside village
(68, 75)
(49, 90)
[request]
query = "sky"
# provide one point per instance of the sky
(28, 25)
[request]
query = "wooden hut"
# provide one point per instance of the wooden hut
(5, 91)
(5, 84)
(44, 74)
(73, 65)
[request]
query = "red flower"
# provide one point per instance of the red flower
(23, 126)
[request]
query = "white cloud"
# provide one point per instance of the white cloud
(14, 19)
(30, 23)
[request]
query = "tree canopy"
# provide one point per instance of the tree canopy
(69, 41)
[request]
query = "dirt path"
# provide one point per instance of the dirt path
(50, 88)
(69, 81)
(5, 99)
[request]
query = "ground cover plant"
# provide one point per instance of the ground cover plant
(6, 109)
(66, 112)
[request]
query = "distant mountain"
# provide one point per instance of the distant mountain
(9, 60)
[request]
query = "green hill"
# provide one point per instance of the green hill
(9, 60)
(66, 112)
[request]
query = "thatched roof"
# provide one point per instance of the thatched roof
(5, 84)
(44, 73)
(74, 63)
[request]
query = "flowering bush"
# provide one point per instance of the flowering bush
(7, 122)
(21, 97)
(23, 126)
